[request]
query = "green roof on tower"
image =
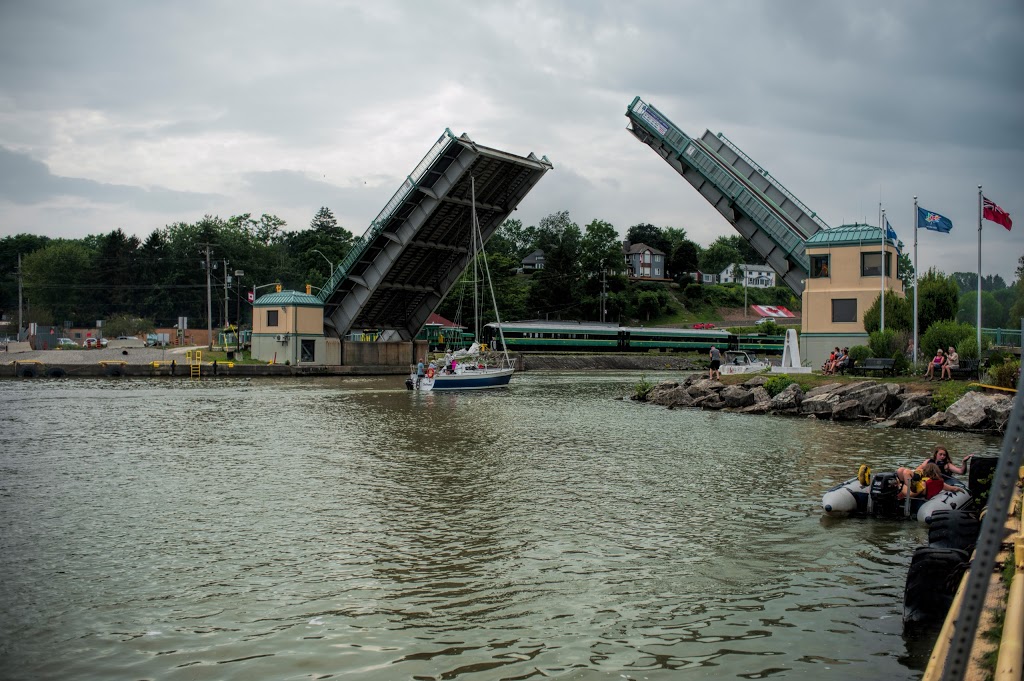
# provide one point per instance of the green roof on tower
(288, 298)
(846, 235)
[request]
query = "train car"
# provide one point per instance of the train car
(572, 336)
(567, 336)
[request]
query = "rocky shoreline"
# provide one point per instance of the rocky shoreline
(883, 404)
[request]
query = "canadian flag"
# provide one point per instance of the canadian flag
(251, 296)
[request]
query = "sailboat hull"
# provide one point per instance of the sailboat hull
(472, 379)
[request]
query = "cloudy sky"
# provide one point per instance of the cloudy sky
(134, 115)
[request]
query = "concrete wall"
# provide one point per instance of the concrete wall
(393, 353)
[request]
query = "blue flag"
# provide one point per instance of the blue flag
(933, 221)
(890, 234)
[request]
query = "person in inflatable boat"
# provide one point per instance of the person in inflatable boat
(926, 484)
(939, 457)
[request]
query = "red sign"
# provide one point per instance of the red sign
(251, 296)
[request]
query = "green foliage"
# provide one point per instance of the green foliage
(645, 233)
(993, 314)
(642, 389)
(719, 255)
(944, 334)
(694, 292)
(776, 384)
(685, 258)
(859, 353)
(771, 328)
(968, 349)
(938, 298)
(1006, 375)
(127, 325)
(948, 392)
(899, 313)
(888, 343)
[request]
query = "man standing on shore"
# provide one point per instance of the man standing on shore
(716, 362)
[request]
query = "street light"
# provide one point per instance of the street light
(238, 297)
(327, 259)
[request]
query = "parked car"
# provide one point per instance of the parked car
(763, 320)
(92, 342)
(703, 325)
(66, 344)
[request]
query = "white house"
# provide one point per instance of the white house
(754, 276)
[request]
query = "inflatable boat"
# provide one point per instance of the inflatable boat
(877, 495)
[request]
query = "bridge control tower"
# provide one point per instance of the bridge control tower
(418, 246)
(763, 211)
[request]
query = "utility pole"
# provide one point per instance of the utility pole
(604, 286)
(209, 302)
(226, 279)
(19, 297)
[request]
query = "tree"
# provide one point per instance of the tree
(719, 255)
(601, 249)
(899, 313)
(58, 281)
(685, 258)
(904, 268)
(10, 248)
(938, 298)
(993, 314)
(514, 240)
(654, 237)
(556, 290)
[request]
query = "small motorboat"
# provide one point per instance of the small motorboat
(877, 495)
(740, 362)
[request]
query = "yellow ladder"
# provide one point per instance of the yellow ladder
(196, 367)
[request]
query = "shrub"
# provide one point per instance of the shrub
(883, 343)
(776, 384)
(995, 358)
(943, 334)
(642, 389)
(1006, 375)
(968, 349)
(859, 353)
(947, 393)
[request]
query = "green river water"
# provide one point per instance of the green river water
(347, 528)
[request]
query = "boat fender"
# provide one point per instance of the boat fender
(114, 372)
(864, 474)
(27, 372)
(953, 529)
(430, 372)
(56, 372)
(931, 584)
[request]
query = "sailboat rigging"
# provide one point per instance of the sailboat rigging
(471, 369)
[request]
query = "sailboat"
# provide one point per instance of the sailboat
(471, 369)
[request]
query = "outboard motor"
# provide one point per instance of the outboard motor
(884, 489)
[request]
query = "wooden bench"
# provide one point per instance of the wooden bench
(968, 368)
(881, 365)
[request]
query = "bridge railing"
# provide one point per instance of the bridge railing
(778, 185)
(754, 206)
(1006, 338)
(411, 183)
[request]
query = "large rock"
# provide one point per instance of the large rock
(847, 410)
(999, 413)
(823, 389)
(704, 387)
(709, 401)
(787, 401)
(761, 396)
(877, 399)
(736, 397)
(849, 388)
(820, 405)
(936, 420)
(668, 393)
(969, 412)
(911, 415)
(755, 408)
(756, 381)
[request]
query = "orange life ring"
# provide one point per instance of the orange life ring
(430, 372)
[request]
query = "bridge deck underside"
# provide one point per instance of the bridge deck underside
(424, 246)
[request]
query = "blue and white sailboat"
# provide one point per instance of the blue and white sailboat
(474, 369)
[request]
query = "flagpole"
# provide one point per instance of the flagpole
(882, 223)
(979, 272)
(917, 279)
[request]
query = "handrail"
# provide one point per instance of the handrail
(719, 174)
(778, 185)
(411, 183)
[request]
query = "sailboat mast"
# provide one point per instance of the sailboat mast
(473, 252)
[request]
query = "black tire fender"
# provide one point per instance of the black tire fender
(27, 372)
(114, 372)
(56, 372)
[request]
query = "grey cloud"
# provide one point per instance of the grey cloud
(24, 180)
